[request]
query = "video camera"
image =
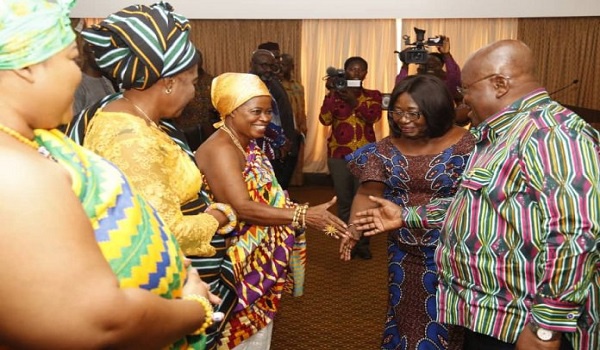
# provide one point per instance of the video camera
(336, 79)
(418, 53)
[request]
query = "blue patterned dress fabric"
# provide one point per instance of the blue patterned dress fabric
(412, 180)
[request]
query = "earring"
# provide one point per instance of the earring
(168, 90)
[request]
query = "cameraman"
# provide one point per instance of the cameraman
(435, 65)
(351, 111)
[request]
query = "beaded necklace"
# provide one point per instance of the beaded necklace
(235, 140)
(31, 143)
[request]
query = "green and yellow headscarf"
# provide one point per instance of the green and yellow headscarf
(31, 31)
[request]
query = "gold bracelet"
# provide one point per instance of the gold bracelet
(304, 210)
(295, 223)
(208, 312)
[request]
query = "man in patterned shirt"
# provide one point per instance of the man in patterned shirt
(518, 259)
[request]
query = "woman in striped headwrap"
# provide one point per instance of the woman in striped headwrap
(86, 261)
(147, 51)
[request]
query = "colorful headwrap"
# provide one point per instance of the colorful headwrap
(32, 31)
(141, 44)
(231, 90)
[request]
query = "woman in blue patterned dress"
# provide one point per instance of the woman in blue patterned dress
(422, 160)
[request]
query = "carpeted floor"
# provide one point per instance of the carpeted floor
(343, 307)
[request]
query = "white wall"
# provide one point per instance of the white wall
(348, 9)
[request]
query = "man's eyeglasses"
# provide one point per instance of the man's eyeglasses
(465, 88)
(410, 116)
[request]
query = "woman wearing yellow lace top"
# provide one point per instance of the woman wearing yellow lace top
(158, 80)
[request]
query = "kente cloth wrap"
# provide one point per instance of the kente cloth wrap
(261, 255)
(140, 249)
(215, 270)
(32, 31)
(231, 90)
(412, 274)
(141, 44)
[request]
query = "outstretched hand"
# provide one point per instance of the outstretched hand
(321, 219)
(387, 216)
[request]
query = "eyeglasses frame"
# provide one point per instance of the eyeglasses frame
(465, 88)
(402, 114)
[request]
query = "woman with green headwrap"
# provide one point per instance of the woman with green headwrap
(86, 261)
(268, 243)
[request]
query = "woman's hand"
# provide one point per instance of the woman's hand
(445, 48)
(321, 219)
(219, 216)
(388, 216)
(346, 246)
(195, 285)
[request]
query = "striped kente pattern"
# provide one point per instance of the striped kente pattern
(520, 237)
(132, 237)
(260, 256)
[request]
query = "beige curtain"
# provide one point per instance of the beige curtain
(227, 45)
(329, 43)
(566, 49)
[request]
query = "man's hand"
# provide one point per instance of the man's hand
(386, 217)
(527, 341)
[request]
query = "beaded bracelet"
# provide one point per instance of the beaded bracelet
(299, 214)
(208, 312)
(228, 211)
(303, 214)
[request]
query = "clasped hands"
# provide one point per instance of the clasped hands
(385, 216)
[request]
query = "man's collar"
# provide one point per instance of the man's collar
(503, 120)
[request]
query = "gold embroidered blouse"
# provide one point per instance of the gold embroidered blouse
(158, 169)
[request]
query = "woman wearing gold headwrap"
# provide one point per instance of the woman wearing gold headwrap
(86, 262)
(146, 49)
(264, 241)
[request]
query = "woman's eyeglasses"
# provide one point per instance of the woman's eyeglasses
(410, 116)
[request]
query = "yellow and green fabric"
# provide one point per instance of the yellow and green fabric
(134, 240)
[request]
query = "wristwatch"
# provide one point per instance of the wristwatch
(543, 334)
